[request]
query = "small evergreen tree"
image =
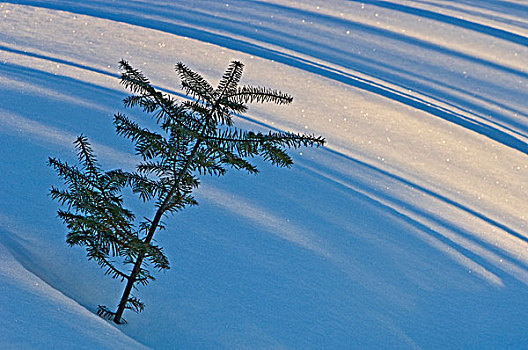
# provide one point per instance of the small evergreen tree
(196, 137)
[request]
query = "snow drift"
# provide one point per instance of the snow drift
(408, 230)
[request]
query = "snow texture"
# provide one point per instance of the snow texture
(408, 231)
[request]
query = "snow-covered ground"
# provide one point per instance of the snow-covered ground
(408, 230)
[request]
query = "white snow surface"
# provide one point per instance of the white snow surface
(408, 230)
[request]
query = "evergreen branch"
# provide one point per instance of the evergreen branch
(196, 107)
(238, 163)
(230, 79)
(86, 156)
(257, 94)
(135, 305)
(235, 145)
(233, 106)
(226, 155)
(133, 79)
(64, 197)
(205, 162)
(179, 202)
(147, 103)
(194, 84)
(156, 256)
(159, 169)
(149, 98)
(114, 181)
(77, 182)
(148, 144)
(112, 270)
(85, 231)
(143, 276)
(222, 115)
(282, 138)
(70, 174)
(145, 187)
(276, 155)
(105, 313)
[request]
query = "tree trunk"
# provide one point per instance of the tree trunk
(135, 271)
(155, 222)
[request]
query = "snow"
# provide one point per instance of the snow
(408, 230)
